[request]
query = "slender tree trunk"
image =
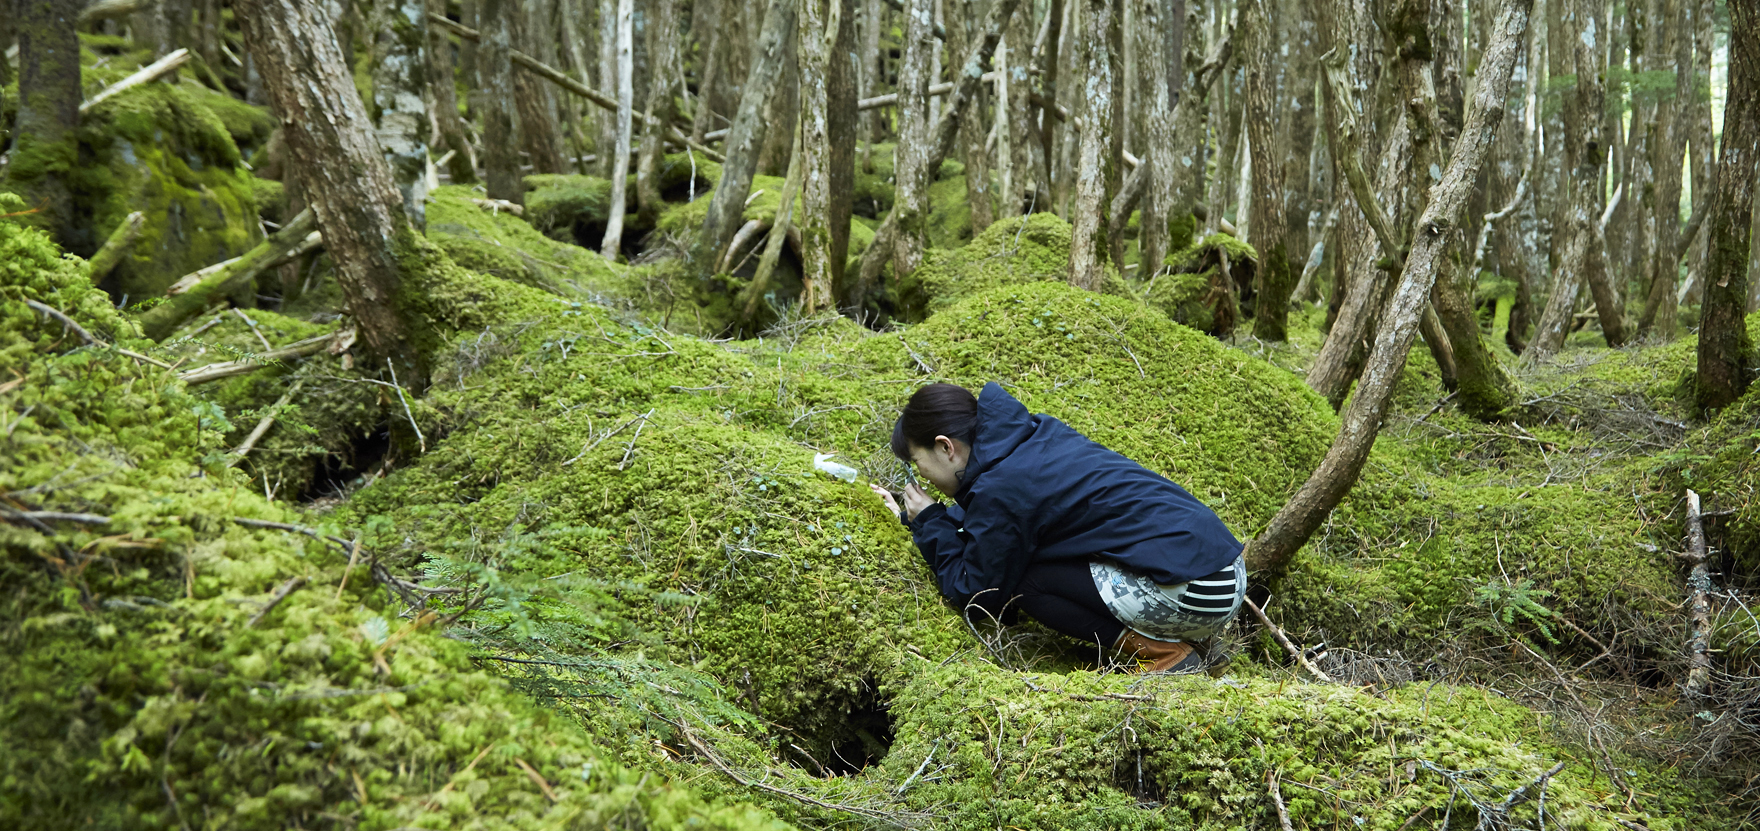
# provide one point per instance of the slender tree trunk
(400, 84)
(445, 94)
(1269, 223)
(626, 92)
(783, 108)
(663, 36)
(962, 27)
(755, 291)
(872, 79)
(1584, 154)
(1227, 179)
(539, 133)
(1158, 84)
(501, 177)
(1049, 63)
(706, 25)
(826, 104)
(1674, 42)
(1701, 143)
(910, 160)
(746, 134)
(1023, 160)
(467, 50)
(45, 151)
(605, 141)
(1725, 352)
(1087, 250)
(332, 152)
(1273, 549)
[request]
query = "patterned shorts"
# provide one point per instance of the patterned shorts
(1153, 610)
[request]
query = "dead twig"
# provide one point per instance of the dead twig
(631, 449)
(281, 594)
(88, 337)
(1282, 639)
(268, 420)
(1277, 799)
(407, 414)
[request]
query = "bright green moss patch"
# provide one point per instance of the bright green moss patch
(1032, 249)
(1190, 288)
(505, 246)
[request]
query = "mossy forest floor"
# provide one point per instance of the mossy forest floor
(591, 578)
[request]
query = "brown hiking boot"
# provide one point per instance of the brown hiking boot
(1142, 654)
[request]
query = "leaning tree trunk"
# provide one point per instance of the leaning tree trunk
(331, 150)
(827, 127)
(1273, 549)
(45, 150)
(1583, 157)
(663, 37)
(1087, 250)
(745, 136)
(1725, 353)
(1269, 225)
(400, 82)
(501, 177)
(626, 93)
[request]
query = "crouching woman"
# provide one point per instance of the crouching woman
(1084, 540)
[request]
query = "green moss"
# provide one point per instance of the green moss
(270, 197)
(505, 246)
(1008, 253)
(158, 149)
(1190, 288)
(249, 125)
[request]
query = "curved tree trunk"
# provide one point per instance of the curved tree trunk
(1725, 352)
(1087, 250)
(331, 150)
(746, 134)
(44, 148)
(400, 81)
(1273, 549)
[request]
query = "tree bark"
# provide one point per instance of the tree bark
(962, 27)
(1023, 190)
(212, 285)
(1674, 44)
(755, 291)
(1584, 155)
(1087, 250)
(746, 134)
(1725, 352)
(400, 82)
(1159, 78)
(441, 83)
(910, 159)
(706, 25)
(331, 150)
(45, 150)
(826, 100)
(663, 37)
(626, 93)
(1273, 549)
(539, 133)
(501, 177)
(1269, 226)
(872, 78)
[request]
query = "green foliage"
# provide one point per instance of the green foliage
(1509, 601)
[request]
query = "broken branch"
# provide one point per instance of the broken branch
(1283, 639)
(281, 594)
(150, 73)
(1699, 607)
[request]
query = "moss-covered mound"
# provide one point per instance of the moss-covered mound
(1031, 249)
(173, 666)
(1192, 289)
(160, 150)
(489, 241)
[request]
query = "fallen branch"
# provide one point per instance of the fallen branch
(281, 594)
(498, 205)
(55, 516)
(268, 420)
(1699, 607)
(716, 760)
(1277, 799)
(631, 449)
(110, 10)
(88, 337)
(1283, 639)
(117, 245)
(744, 235)
(194, 293)
(148, 74)
(227, 369)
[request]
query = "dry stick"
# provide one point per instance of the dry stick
(601, 439)
(1284, 640)
(227, 369)
(407, 414)
(267, 346)
(920, 768)
(280, 595)
(632, 439)
(354, 556)
(1277, 799)
(52, 516)
(250, 441)
(120, 240)
(556, 77)
(88, 337)
(1699, 612)
(891, 99)
(152, 72)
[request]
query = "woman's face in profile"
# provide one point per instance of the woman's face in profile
(942, 463)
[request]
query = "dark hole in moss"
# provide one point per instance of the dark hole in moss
(339, 474)
(848, 735)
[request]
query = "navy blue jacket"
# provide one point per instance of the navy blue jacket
(1035, 490)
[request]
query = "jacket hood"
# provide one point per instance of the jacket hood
(1003, 425)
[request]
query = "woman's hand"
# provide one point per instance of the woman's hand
(915, 499)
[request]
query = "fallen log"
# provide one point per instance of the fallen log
(227, 369)
(115, 247)
(1698, 604)
(148, 74)
(193, 294)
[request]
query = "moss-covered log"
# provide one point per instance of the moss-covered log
(213, 285)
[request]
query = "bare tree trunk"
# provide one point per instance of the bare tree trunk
(663, 37)
(756, 290)
(1725, 352)
(605, 141)
(1298, 519)
(1228, 150)
(1087, 250)
(1159, 78)
(1269, 224)
(445, 94)
(1674, 44)
(962, 27)
(539, 133)
(825, 25)
(332, 151)
(400, 84)
(501, 165)
(467, 50)
(1049, 63)
(706, 25)
(1584, 154)
(45, 150)
(872, 78)
(612, 243)
(783, 108)
(1023, 165)
(910, 160)
(746, 134)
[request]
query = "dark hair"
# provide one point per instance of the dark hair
(935, 410)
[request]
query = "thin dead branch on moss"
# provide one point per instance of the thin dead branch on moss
(894, 818)
(88, 337)
(1698, 682)
(280, 594)
(1283, 640)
